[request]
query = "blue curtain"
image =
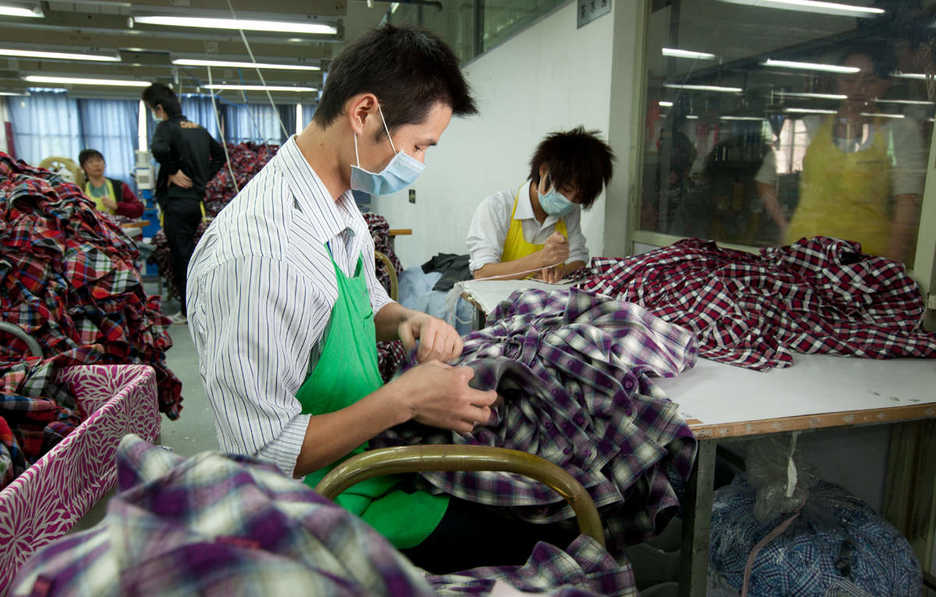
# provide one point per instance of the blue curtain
(198, 108)
(110, 126)
(45, 125)
(259, 123)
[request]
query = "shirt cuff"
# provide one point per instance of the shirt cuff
(476, 262)
(284, 450)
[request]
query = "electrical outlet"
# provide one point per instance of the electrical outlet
(589, 10)
(412, 195)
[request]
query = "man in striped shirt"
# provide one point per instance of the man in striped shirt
(283, 302)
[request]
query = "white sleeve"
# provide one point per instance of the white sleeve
(578, 250)
(909, 171)
(488, 231)
(767, 174)
(254, 321)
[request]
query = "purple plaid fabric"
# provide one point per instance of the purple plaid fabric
(390, 355)
(229, 525)
(819, 295)
(574, 371)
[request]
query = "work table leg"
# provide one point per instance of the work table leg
(697, 523)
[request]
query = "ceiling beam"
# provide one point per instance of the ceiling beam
(195, 45)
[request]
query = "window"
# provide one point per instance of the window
(765, 125)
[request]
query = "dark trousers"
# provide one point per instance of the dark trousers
(472, 535)
(180, 221)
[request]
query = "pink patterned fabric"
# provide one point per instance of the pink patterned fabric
(44, 502)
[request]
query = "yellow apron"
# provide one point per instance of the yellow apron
(515, 246)
(844, 195)
(99, 199)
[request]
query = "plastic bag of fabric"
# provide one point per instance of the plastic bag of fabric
(835, 546)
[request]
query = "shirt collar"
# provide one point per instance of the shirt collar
(525, 207)
(312, 196)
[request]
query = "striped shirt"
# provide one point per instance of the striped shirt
(261, 287)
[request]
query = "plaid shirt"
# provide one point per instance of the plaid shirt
(70, 281)
(819, 295)
(220, 525)
(574, 371)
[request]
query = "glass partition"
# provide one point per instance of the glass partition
(770, 121)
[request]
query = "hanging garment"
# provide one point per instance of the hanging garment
(574, 373)
(390, 355)
(818, 295)
(220, 525)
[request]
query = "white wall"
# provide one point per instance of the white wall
(550, 77)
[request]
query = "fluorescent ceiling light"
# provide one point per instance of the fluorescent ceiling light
(11, 93)
(33, 12)
(220, 86)
(704, 88)
(814, 6)
(828, 68)
(58, 55)
(666, 104)
(752, 118)
(828, 96)
(236, 64)
(900, 75)
(677, 53)
(83, 81)
(808, 111)
(691, 117)
(245, 24)
(881, 115)
(907, 102)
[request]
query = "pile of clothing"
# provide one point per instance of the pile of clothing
(247, 159)
(70, 281)
(390, 355)
(219, 524)
(574, 372)
(819, 295)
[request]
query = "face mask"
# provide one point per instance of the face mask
(555, 203)
(401, 172)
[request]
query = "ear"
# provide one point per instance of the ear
(358, 109)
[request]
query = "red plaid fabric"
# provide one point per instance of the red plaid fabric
(70, 281)
(819, 295)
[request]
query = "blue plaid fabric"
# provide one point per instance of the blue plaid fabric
(837, 546)
(230, 525)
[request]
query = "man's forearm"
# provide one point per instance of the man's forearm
(512, 270)
(904, 227)
(388, 320)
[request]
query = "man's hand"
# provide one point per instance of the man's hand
(552, 275)
(437, 340)
(438, 394)
(179, 179)
(109, 203)
(555, 251)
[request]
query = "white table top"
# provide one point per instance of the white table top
(488, 293)
(817, 391)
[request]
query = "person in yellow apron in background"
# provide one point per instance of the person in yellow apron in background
(285, 308)
(862, 176)
(535, 231)
(110, 195)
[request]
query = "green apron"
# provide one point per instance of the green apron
(345, 372)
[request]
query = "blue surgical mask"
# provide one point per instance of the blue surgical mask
(555, 203)
(401, 172)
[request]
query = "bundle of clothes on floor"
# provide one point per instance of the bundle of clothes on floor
(70, 281)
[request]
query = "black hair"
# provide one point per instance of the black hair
(881, 54)
(87, 154)
(408, 69)
(158, 94)
(577, 159)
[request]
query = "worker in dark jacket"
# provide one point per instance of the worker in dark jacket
(188, 158)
